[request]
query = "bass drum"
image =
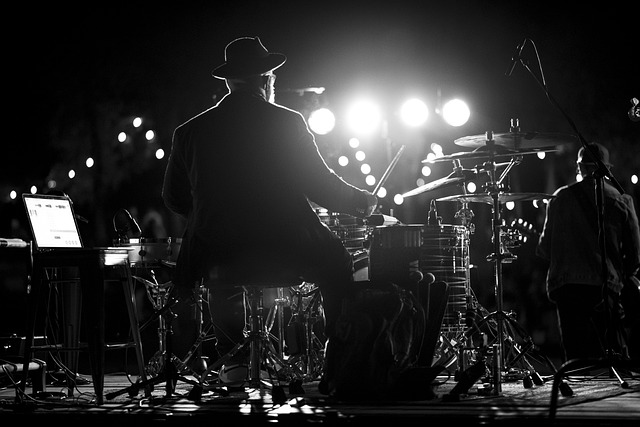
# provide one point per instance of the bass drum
(151, 252)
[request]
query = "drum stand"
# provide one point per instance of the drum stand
(164, 364)
(504, 322)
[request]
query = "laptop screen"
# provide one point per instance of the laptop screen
(52, 220)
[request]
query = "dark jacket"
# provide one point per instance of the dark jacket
(569, 239)
(242, 173)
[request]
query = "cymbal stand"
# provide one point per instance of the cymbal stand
(498, 257)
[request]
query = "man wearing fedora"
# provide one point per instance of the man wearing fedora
(570, 242)
(243, 174)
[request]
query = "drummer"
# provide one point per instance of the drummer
(242, 174)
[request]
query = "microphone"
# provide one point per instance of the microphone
(515, 58)
(125, 225)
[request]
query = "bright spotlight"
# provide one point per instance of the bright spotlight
(414, 112)
(364, 117)
(322, 121)
(456, 112)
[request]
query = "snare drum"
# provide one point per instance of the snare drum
(151, 251)
(350, 230)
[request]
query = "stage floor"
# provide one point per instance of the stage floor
(595, 399)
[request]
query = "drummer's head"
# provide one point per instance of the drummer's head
(586, 163)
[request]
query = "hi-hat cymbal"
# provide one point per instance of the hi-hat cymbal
(486, 152)
(517, 140)
(502, 197)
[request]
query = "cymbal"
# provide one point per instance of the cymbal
(438, 183)
(502, 197)
(518, 140)
(486, 152)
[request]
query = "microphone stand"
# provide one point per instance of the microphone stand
(600, 174)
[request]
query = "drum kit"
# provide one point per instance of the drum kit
(405, 253)
(384, 249)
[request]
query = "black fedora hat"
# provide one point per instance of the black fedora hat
(247, 56)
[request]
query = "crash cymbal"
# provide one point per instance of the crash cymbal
(438, 183)
(517, 140)
(502, 197)
(485, 152)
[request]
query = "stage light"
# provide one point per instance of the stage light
(414, 112)
(456, 112)
(322, 121)
(364, 117)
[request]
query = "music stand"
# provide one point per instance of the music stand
(602, 171)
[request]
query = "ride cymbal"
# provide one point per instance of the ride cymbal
(517, 140)
(502, 197)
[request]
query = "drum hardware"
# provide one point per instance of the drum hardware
(156, 293)
(169, 373)
(505, 325)
(305, 345)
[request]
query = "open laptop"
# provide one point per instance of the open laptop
(54, 224)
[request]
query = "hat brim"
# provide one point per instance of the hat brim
(249, 68)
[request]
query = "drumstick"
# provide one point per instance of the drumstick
(388, 171)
